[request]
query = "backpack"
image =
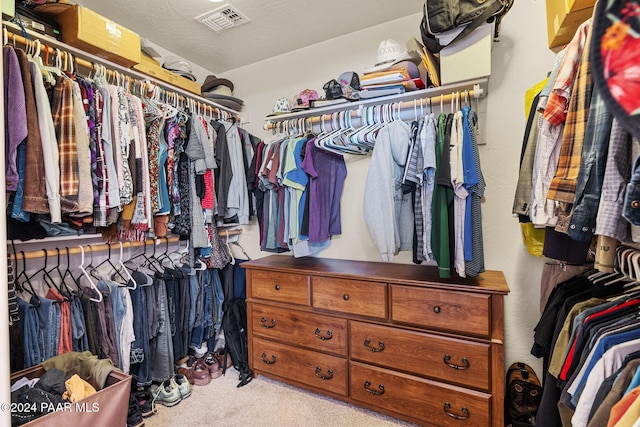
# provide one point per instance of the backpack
(440, 16)
(523, 395)
(234, 323)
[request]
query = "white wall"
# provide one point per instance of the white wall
(519, 60)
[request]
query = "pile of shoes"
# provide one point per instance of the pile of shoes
(169, 393)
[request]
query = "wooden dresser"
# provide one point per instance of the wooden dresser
(394, 338)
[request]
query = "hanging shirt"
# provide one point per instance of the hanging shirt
(15, 114)
(428, 150)
(460, 192)
(49, 145)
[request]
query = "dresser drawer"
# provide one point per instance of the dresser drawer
(316, 331)
(452, 360)
(350, 296)
(426, 400)
(277, 286)
(447, 310)
(305, 366)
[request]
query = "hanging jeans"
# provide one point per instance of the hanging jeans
(217, 308)
(140, 355)
(201, 330)
(32, 337)
(49, 316)
(78, 326)
(161, 346)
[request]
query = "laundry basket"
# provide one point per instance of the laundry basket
(106, 408)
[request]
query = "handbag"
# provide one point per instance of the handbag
(440, 16)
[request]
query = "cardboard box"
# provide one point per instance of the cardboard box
(468, 59)
(151, 68)
(106, 408)
(563, 19)
(9, 8)
(95, 34)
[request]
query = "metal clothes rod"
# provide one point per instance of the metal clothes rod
(354, 109)
(40, 253)
(122, 74)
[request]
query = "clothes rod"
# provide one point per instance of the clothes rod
(355, 109)
(106, 246)
(88, 61)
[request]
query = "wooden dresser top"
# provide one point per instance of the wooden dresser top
(408, 274)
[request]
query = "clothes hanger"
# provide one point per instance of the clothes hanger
(233, 259)
(126, 270)
(95, 272)
(247, 257)
(164, 256)
(88, 276)
(45, 275)
(35, 298)
(66, 293)
(67, 272)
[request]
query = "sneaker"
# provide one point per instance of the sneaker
(144, 399)
(201, 374)
(213, 364)
(134, 416)
(167, 394)
(183, 385)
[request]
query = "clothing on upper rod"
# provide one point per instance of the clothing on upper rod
(104, 158)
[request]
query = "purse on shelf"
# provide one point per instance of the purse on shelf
(440, 16)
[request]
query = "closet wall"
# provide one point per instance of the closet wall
(519, 60)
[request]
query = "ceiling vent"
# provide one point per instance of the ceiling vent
(223, 18)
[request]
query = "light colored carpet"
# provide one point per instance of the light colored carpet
(263, 403)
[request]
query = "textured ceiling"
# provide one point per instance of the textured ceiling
(276, 27)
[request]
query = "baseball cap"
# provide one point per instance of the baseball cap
(302, 100)
(281, 106)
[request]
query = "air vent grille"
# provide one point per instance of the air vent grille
(223, 18)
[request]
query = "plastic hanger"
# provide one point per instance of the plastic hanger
(248, 258)
(66, 293)
(88, 276)
(20, 285)
(45, 275)
(94, 272)
(233, 259)
(67, 272)
(129, 278)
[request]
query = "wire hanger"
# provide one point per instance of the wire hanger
(233, 259)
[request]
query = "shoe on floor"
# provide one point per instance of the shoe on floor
(224, 359)
(183, 385)
(201, 374)
(167, 393)
(213, 364)
(144, 400)
(134, 416)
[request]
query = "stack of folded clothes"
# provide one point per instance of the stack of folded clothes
(220, 91)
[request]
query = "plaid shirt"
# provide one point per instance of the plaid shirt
(65, 131)
(563, 185)
(555, 111)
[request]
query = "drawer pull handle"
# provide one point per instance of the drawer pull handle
(268, 362)
(271, 324)
(367, 384)
(324, 377)
(462, 367)
(325, 337)
(367, 345)
(436, 309)
(464, 410)
(345, 297)
(277, 287)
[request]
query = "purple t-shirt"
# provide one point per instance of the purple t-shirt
(327, 172)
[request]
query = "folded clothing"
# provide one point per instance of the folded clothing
(95, 371)
(77, 389)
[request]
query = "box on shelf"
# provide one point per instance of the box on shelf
(564, 17)
(151, 67)
(9, 8)
(468, 59)
(106, 408)
(95, 34)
